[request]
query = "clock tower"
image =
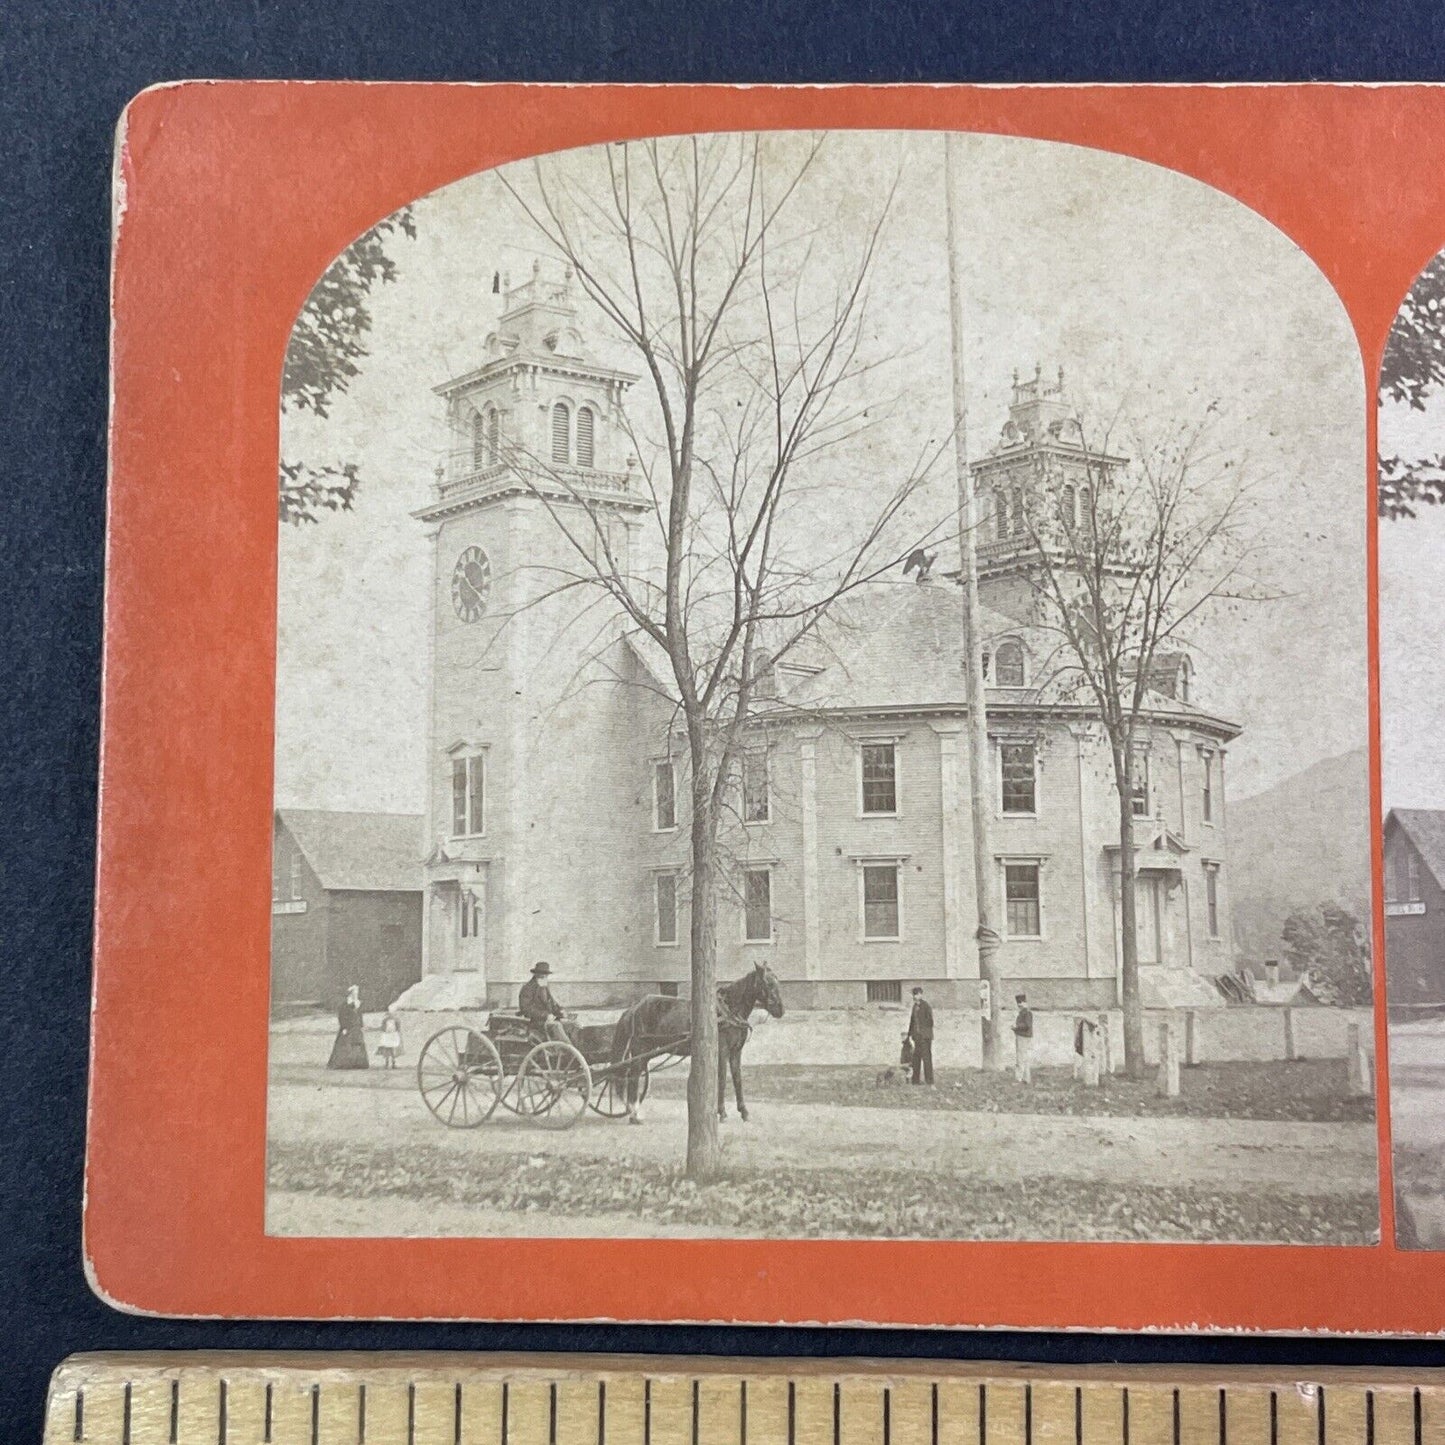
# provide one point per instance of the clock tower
(526, 707)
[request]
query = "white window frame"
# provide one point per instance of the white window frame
(675, 876)
(658, 764)
(1207, 808)
(1032, 745)
(994, 651)
(891, 741)
(1028, 860)
(471, 758)
(772, 934)
(761, 756)
(863, 864)
(295, 875)
(1412, 877)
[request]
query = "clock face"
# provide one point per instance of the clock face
(471, 584)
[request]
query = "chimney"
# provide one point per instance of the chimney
(1271, 971)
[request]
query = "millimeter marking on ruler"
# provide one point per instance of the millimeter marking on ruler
(237, 1399)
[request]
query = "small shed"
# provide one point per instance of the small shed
(346, 906)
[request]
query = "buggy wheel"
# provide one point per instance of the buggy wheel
(553, 1085)
(610, 1096)
(459, 1076)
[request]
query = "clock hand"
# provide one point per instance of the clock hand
(475, 576)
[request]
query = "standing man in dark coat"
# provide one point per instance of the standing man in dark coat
(1023, 1041)
(536, 1004)
(920, 1035)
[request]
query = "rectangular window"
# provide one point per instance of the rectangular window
(666, 908)
(885, 990)
(664, 796)
(295, 875)
(468, 795)
(757, 805)
(1207, 800)
(1211, 897)
(880, 900)
(1412, 872)
(1018, 779)
(669, 990)
(1021, 899)
(1139, 782)
(879, 762)
(758, 905)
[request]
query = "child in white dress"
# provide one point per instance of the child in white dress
(390, 1044)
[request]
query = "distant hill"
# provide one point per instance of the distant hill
(1302, 842)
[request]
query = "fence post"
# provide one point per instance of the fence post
(1360, 1063)
(1092, 1047)
(1191, 1041)
(1290, 1052)
(1168, 1057)
(1107, 1063)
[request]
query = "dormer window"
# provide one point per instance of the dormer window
(1008, 665)
(561, 433)
(586, 423)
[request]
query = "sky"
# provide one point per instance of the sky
(1158, 295)
(1412, 662)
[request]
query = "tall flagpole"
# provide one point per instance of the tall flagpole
(985, 873)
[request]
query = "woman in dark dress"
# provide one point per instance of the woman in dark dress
(349, 1050)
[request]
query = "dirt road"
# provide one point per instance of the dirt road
(1310, 1159)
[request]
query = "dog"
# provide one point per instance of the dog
(887, 1079)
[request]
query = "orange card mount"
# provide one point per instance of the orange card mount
(805, 670)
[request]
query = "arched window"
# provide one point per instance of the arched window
(1008, 665)
(1070, 508)
(1018, 525)
(479, 441)
(1000, 515)
(494, 436)
(1086, 506)
(584, 436)
(561, 433)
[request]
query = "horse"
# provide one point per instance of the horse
(658, 1022)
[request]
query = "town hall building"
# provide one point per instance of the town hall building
(556, 811)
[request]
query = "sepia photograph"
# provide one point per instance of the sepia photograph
(1412, 697)
(822, 691)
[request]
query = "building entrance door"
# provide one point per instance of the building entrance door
(1149, 904)
(471, 925)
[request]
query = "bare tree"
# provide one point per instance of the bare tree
(703, 257)
(1126, 556)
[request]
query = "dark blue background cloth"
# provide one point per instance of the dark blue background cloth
(67, 67)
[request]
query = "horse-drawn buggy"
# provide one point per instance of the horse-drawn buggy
(467, 1072)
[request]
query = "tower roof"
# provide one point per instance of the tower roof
(538, 327)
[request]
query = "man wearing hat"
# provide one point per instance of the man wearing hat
(920, 1035)
(1023, 1040)
(536, 1004)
